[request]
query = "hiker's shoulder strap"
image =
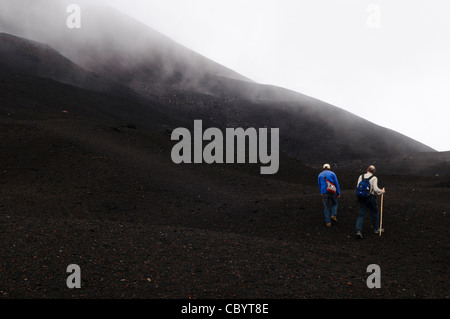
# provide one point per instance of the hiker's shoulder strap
(368, 179)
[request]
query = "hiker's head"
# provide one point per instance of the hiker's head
(326, 167)
(371, 169)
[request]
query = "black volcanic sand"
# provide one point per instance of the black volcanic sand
(87, 179)
(109, 199)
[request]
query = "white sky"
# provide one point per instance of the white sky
(388, 63)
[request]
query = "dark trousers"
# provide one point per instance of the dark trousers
(368, 204)
(330, 203)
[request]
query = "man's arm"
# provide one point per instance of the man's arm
(375, 187)
(338, 190)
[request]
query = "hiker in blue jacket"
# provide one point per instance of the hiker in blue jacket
(329, 188)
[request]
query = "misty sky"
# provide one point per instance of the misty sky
(386, 60)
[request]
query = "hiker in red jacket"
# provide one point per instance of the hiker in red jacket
(329, 188)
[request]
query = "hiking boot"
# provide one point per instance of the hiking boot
(359, 235)
(377, 231)
(334, 218)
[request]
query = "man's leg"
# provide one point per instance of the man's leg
(334, 206)
(326, 210)
(361, 215)
(374, 212)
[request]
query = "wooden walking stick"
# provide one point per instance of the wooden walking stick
(381, 213)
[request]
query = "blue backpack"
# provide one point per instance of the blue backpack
(363, 189)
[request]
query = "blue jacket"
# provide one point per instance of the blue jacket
(332, 178)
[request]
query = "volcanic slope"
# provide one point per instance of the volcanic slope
(87, 178)
(310, 130)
